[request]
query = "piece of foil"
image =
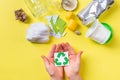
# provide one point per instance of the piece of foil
(94, 10)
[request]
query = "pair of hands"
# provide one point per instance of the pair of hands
(72, 70)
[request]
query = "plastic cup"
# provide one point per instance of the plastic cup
(101, 33)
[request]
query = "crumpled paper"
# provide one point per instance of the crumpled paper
(38, 33)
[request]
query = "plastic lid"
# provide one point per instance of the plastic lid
(110, 29)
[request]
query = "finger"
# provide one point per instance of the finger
(64, 47)
(57, 48)
(79, 56)
(70, 49)
(52, 60)
(46, 61)
(51, 54)
(60, 48)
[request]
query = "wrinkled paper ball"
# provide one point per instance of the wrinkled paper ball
(38, 33)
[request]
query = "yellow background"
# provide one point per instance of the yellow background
(20, 59)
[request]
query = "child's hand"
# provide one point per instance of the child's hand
(72, 71)
(56, 73)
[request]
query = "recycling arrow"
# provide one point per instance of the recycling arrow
(57, 62)
(66, 61)
(60, 53)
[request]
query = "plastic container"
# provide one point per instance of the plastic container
(100, 32)
(40, 8)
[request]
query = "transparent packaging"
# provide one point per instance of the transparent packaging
(40, 8)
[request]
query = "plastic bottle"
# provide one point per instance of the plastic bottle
(40, 8)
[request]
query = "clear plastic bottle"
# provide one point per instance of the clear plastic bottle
(40, 8)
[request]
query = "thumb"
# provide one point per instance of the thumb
(79, 55)
(46, 61)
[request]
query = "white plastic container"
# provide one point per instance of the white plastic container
(99, 33)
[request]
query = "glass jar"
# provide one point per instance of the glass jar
(40, 8)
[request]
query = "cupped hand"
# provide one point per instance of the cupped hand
(56, 73)
(72, 71)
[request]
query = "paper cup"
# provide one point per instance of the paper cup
(99, 32)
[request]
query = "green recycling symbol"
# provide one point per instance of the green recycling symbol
(57, 62)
